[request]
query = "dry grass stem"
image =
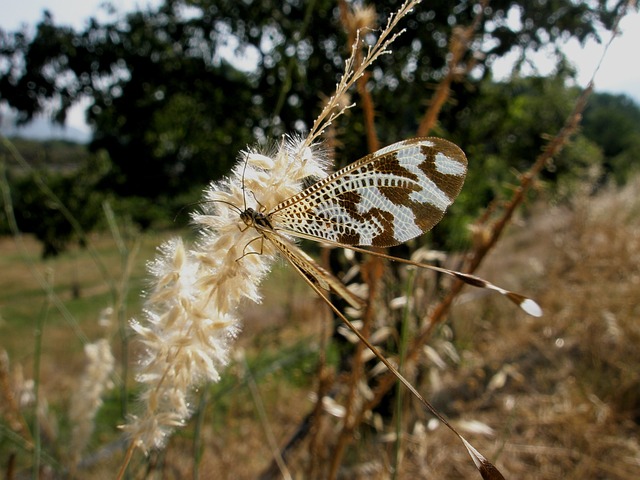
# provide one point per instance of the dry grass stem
(355, 20)
(354, 70)
(459, 45)
(10, 407)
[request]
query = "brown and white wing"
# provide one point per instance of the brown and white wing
(383, 199)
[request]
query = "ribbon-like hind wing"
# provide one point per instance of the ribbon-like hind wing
(312, 271)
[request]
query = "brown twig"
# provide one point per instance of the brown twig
(458, 47)
(372, 273)
(354, 22)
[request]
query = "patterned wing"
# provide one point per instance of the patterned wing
(383, 199)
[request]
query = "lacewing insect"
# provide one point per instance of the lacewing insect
(384, 199)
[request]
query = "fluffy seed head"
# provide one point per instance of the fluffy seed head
(189, 320)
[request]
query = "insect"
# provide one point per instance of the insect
(381, 200)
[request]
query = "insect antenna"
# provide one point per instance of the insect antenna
(262, 208)
(232, 205)
(189, 205)
(244, 194)
(204, 202)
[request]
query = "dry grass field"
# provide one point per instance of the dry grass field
(543, 398)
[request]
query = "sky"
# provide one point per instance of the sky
(620, 72)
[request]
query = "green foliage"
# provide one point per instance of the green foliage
(64, 173)
(613, 123)
(38, 211)
(58, 155)
(502, 132)
(171, 112)
(165, 212)
(506, 126)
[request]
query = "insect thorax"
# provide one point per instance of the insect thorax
(256, 219)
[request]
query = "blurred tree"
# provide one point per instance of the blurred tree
(613, 122)
(172, 108)
(503, 131)
(38, 213)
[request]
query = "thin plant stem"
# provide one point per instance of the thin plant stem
(372, 273)
(402, 349)
(25, 446)
(197, 433)
(127, 260)
(125, 462)
(37, 362)
(325, 381)
(40, 278)
(264, 422)
(486, 469)
(77, 228)
(458, 46)
(353, 71)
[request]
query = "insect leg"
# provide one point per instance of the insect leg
(244, 250)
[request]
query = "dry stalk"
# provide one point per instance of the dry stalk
(355, 20)
(372, 273)
(315, 445)
(354, 71)
(10, 408)
(458, 47)
(474, 258)
(373, 269)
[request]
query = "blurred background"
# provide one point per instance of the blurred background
(115, 116)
